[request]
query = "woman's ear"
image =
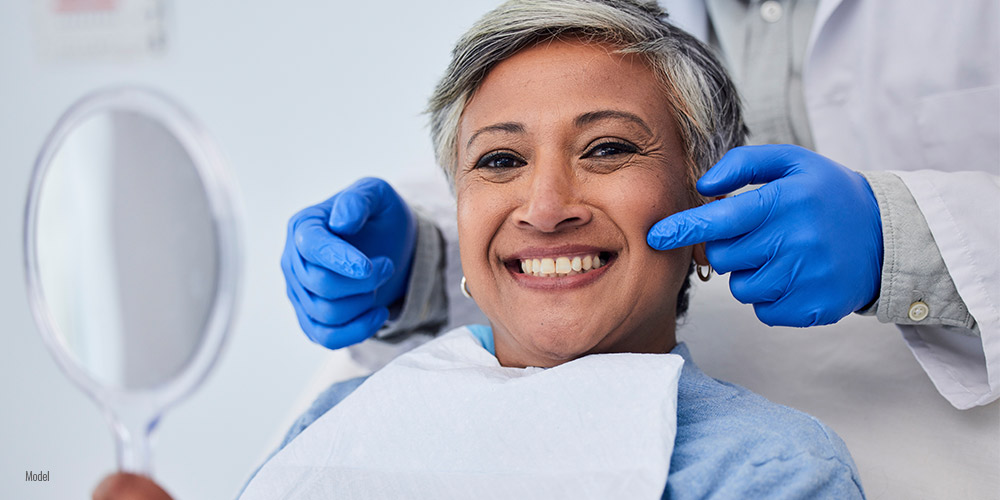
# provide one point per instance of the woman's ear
(699, 256)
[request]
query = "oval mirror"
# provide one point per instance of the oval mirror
(132, 256)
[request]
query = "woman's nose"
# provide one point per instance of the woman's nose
(553, 201)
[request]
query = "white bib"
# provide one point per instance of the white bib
(447, 421)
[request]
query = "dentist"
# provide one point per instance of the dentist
(886, 205)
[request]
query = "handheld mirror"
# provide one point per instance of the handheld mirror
(131, 257)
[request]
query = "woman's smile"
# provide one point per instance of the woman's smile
(564, 266)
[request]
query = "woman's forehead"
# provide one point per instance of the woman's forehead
(560, 81)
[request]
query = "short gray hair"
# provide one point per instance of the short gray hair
(703, 98)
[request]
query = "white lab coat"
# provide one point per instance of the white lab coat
(914, 87)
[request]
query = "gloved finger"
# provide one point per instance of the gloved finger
(798, 309)
(330, 285)
(316, 244)
(758, 285)
(791, 310)
(353, 206)
(290, 254)
(306, 324)
(333, 312)
(737, 254)
(748, 165)
(350, 333)
(718, 220)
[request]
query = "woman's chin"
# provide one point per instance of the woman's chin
(547, 347)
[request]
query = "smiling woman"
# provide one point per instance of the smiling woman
(567, 129)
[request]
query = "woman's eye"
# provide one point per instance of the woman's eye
(611, 149)
(500, 161)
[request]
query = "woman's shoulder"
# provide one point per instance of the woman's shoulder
(707, 407)
(733, 441)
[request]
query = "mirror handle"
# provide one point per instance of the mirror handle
(132, 432)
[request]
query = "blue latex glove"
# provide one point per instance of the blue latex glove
(805, 249)
(346, 260)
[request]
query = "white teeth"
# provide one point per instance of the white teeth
(561, 266)
(548, 266)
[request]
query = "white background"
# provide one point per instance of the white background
(304, 97)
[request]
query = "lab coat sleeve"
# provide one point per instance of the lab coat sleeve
(959, 350)
(912, 267)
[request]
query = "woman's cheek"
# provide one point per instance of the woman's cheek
(480, 217)
(641, 197)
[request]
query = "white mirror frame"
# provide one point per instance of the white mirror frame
(134, 413)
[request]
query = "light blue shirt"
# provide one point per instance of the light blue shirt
(730, 444)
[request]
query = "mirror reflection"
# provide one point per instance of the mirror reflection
(127, 251)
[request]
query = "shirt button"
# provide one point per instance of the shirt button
(918, 311)
(771, 11)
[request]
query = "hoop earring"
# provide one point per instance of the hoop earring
(707, 275)
(465, 288)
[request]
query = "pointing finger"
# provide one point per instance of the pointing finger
(718, 220)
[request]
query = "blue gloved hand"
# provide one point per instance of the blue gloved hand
(805, 249)
(346, 260)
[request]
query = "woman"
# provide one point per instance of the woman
(555, 122)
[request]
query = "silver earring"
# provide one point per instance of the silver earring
(465, 288)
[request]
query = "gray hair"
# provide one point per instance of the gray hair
(703, 98)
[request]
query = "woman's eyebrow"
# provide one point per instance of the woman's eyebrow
(606, 114)
(508, 127)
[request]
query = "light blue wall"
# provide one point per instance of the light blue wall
(303, 97)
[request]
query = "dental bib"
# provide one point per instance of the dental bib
(447, 421)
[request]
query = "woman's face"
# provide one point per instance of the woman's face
(568, 153)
